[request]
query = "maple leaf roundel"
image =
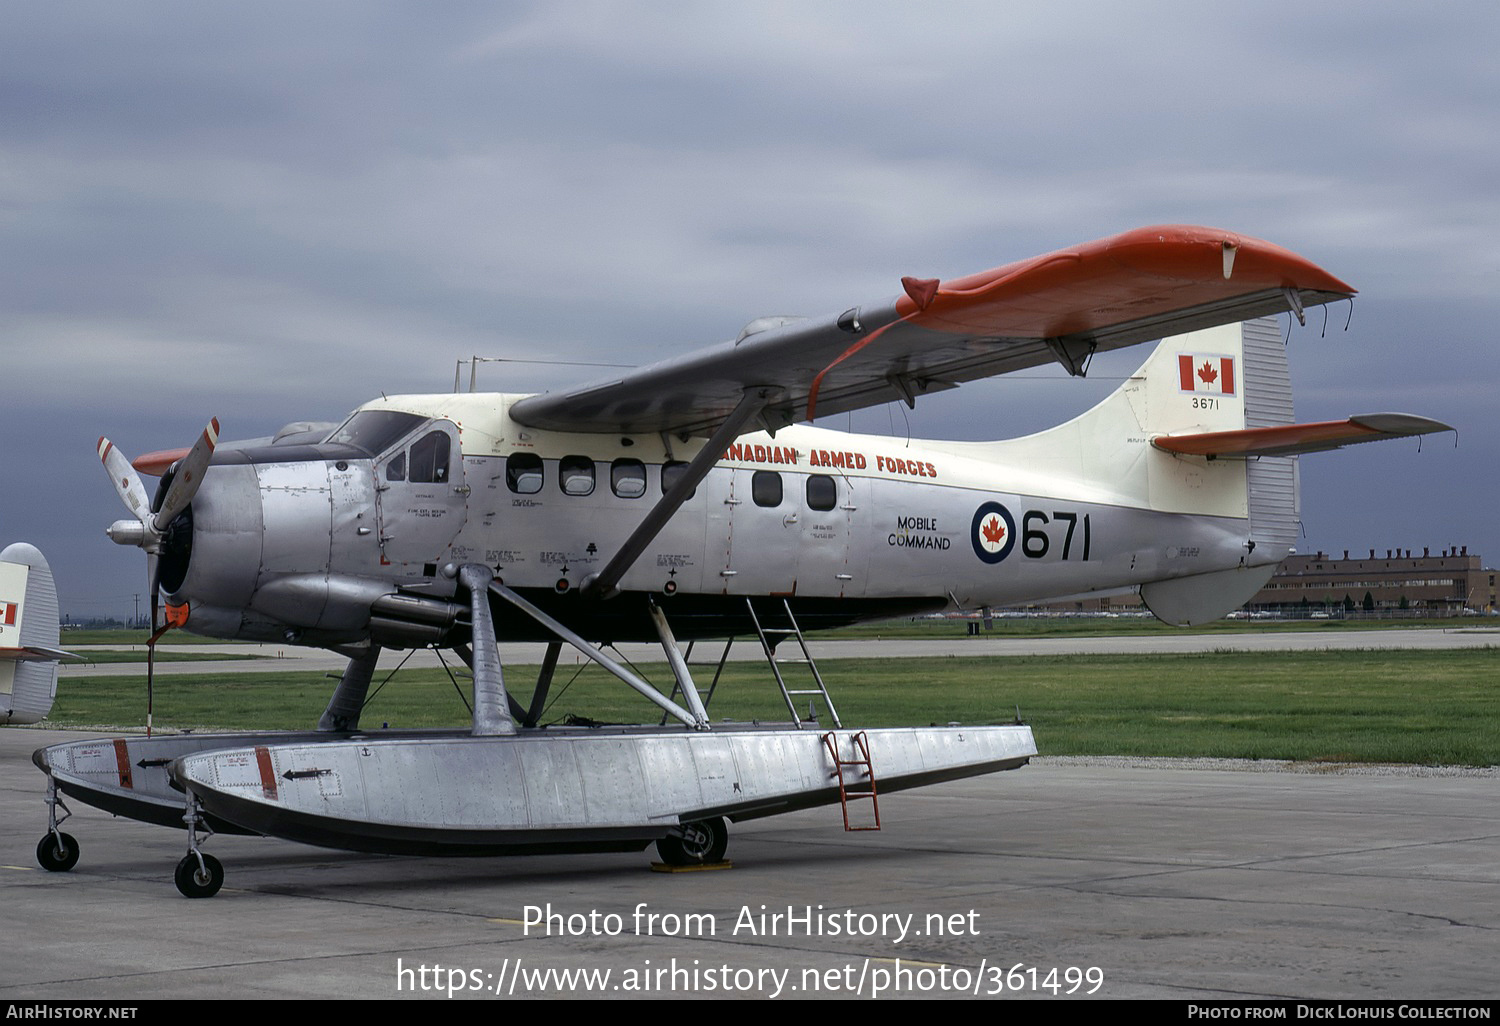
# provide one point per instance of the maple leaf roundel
(993, 532)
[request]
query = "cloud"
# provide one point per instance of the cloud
(275, 212)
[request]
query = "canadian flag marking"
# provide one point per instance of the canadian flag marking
(1205, 372)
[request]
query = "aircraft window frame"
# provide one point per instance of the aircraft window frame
(822, 481)
(670, 472)
(762, 485)
(630, 473)
(439, 447)
(574, 469)
(395, 470)
(519, 470)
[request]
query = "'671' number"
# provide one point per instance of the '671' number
(1036, 543)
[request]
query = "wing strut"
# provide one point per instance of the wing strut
(752, 402)
(676, 661)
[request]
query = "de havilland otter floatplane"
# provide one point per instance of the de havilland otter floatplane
(691, 499)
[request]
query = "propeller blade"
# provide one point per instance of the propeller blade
(188, 477)
(126, 481)
(153, 585)
(156, 463)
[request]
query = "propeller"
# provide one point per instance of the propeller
(151, 524)
(153, 529)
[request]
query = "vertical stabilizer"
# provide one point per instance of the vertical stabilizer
(1227, 379)
(28, 635)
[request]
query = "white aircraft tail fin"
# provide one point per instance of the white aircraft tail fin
(1220, 379)
(29, 635)
(1227, 379)
(1217, 405)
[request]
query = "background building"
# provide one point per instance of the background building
(1400, 580)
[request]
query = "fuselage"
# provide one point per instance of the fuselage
(301, 542)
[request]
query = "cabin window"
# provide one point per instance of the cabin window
(671, 472)
(765, 488)
(576, 475)
(822, 492)
(429, 458)
(523, 473)
(396, 469)
(627, 478)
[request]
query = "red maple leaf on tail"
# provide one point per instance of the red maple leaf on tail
(1207, 373)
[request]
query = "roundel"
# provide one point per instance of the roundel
(993, 532)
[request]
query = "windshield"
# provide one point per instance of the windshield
(374, 431)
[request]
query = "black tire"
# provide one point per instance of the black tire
(55, 857)
(194, 882)
(699, 843)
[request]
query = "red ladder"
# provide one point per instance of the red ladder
(855, 788)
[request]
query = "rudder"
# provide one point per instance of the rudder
(29, 635)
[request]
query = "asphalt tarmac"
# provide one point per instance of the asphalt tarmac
(1113, 878)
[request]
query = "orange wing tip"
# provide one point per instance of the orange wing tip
(1138, 271)
(156, 463)
(1293, 439)
(1190, 252)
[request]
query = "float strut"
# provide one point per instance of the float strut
(491, 703)
(348, 698)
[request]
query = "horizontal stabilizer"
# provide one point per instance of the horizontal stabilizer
(1292, 439)
(40, 654)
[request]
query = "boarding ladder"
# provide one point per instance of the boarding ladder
(770, 637)
(859, 783)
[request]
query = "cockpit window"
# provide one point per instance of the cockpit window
(375, 431)
(429, 458)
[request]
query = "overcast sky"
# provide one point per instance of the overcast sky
(273, 212)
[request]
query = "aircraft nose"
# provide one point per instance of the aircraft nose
(211, 551)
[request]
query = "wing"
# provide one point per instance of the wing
(1064, 307)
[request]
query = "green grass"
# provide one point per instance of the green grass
(1134, 626)
(1362, 706)
(124, 636)
(118, 655)
(925, 627)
